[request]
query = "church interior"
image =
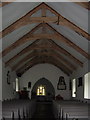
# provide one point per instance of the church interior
(44, 61)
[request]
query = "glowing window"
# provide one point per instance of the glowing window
(41, 90)
(74, 88)
(87, 85)
(17, 84)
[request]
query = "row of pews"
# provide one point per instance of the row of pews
(17, 109)
(70, 110)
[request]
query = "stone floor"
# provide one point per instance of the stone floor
(44, 111)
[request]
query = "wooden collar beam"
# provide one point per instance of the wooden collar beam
(54, 36)
(26, 20)
(19, 23)
(68, 23)
(54, 46)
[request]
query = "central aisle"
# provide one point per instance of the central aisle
(44, 111)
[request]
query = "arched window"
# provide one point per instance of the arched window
(41, 90)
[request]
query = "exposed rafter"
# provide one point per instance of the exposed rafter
(68, 23)
(22, 52)
(19, 23)
(2, 4)
(84, 4)
(48, 53)
(54, 46)
(43, 10)
(66, 53)
(22, 40)
(27, 19)
(44, 59)
(62, 38)
(44, 49)
(57, 36)
(41, 62)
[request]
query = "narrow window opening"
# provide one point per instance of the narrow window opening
(17, 84)
(74, 88)
(86, 86)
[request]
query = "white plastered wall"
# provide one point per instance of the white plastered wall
(48, 71)
(80, 72)
(7, 89)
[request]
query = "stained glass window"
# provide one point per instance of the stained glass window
(41, 90)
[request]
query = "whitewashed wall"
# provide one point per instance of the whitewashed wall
(80, 73)
(48, 71)
(0, 79)
(0, 56)
(7, 90)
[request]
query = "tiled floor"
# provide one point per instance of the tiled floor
(44, 111)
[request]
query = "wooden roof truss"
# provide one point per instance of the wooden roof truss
(52, 55)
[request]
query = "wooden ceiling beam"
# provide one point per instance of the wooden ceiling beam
(20, 22)
(45, 59)
(84, 4)
(43, 11)
(29, 56)
(42, 19)
(56, 36)
(66, 62)
(68, 23)
(54, 46)
(26, 20)
(22, 52)
(62, 66)
(21, 41)
(41, 62)
(25, 39)
(2, 4)
(26, 65)
(62, 38)
(52, 53)
(66, 53)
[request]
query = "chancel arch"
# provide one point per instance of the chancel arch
(46, 89)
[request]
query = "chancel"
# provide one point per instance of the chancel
(44, 60)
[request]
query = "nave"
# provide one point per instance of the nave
(44, 59)
(42, 110)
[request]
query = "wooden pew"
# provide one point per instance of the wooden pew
(18, 109)
(70, 110)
